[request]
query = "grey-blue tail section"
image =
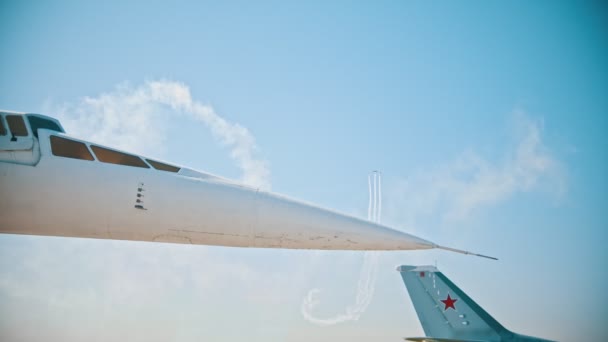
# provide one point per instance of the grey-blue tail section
(446, 313)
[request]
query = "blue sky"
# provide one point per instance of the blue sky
(486, 118)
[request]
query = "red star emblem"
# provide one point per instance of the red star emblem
(449, 303)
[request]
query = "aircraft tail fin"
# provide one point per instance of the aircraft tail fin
(446, 312)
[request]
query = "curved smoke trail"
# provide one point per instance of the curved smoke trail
(367, 276)
(136, 117)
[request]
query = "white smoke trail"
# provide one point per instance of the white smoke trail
(369, 205)
(375, 198)
(135, 118)
(379, 197)
(367, 276)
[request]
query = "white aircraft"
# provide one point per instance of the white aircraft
(447, 314)
(57, 185)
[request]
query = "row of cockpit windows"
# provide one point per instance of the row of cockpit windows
(68, 148)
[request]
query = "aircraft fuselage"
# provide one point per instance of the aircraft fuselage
(125, 196)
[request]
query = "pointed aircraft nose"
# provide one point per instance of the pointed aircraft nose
(286, 223)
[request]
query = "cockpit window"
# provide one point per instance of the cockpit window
(62, 147)
(16, 125)
(38, 122)
(115, 157)
(163, 166)
(2, 129)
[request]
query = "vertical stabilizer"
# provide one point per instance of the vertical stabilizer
(445, 311)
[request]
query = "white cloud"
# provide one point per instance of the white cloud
(135, 119)
(458, 189)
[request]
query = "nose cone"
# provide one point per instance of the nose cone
(285, 223)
